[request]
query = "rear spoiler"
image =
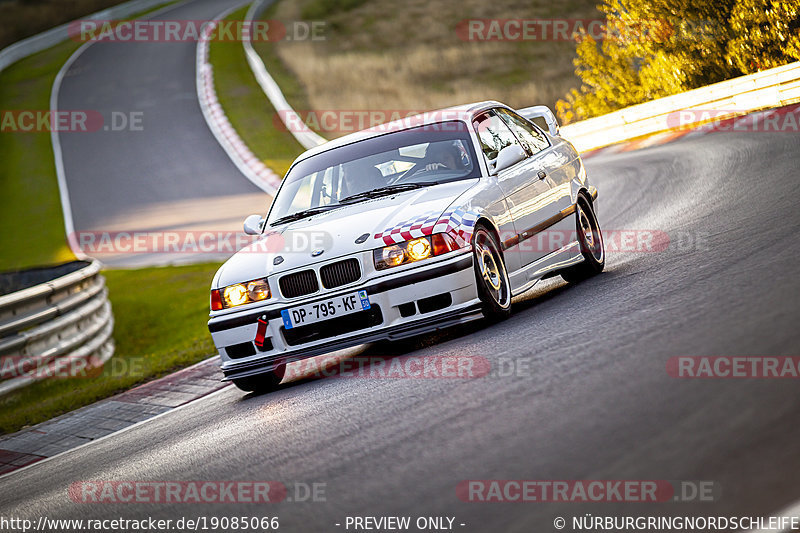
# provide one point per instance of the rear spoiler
(541, 111)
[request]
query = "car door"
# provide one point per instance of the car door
(528, 195)
(558, 165)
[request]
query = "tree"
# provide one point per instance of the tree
(766, 34)
(655, 48)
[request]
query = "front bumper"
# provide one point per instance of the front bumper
(407, 303)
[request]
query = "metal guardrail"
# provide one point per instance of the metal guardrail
(771, 88)
(62, 326)
(59, 327)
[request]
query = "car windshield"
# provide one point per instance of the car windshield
(402, 160)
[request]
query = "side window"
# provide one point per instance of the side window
(528, 134)
(493, 134)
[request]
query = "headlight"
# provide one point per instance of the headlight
(257, 290)
(234, 295)
(393, 256)
(418, 249)
(239, 294)
(413, 250)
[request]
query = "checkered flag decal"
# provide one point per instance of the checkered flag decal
(411, 229)
(458, 223)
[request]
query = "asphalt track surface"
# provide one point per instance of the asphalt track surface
(166, 172)
(595, 403)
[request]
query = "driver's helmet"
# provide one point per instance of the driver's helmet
(360, 176)
(445, 152)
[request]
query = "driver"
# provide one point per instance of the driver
(360, 176)
(446, 156)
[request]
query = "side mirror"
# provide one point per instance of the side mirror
(509, 156)
(544, 112)
(254, 225)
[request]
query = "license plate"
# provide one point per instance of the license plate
(325, 309)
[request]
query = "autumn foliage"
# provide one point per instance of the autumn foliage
(655, 48)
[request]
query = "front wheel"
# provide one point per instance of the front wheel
(491, 276)
(267, 382)
(591, 242)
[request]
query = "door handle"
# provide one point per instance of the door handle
(542, 174)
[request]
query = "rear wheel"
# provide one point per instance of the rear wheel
(491, 276)
(591, 242)
(267, 382)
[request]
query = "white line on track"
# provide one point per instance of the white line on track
(228, 138)
(66, 206)
(117, 433)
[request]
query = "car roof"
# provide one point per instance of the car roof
(461, 112)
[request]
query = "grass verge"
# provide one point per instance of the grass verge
(30, 208)
(159, 328)
(159, 312)
(384, 55)
(246, 106)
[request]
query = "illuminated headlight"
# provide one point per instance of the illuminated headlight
(418, 249)
(413, 250)
(239, 294)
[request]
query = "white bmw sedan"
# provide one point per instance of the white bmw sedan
(403, 229)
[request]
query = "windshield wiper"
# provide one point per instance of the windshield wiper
(385, 191)
(374, 193)
(303, 214)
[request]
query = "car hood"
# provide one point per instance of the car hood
(334, 233)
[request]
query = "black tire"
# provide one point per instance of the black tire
(590, 238)
(491, 276)
(267, 382)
